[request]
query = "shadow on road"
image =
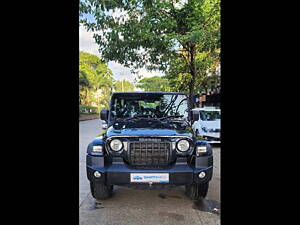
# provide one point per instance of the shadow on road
(207, 206)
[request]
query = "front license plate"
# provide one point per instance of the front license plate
(149, 177)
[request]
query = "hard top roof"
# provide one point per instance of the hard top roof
(207, 108)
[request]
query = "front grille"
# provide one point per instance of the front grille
(149, 153)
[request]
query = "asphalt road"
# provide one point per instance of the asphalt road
(144, 207)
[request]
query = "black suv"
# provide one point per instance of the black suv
(149, 143)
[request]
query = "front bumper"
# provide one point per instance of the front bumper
(180, 174)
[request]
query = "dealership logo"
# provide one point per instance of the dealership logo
(137, 178)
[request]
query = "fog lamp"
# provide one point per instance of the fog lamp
(202, 175)
(97, 174)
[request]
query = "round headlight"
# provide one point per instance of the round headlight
(116, 145)
(183, 145)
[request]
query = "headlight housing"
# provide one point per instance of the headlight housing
(116, 145)
(183, 145)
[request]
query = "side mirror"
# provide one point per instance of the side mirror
(104, 114)
(195, 115)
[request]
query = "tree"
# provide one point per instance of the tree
(155, 83)
(123, 86)
(207, 77)
(94, 76)
(84, 85)
(154, 33)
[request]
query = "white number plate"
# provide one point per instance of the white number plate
(149, 177)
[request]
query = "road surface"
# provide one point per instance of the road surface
(144, 207)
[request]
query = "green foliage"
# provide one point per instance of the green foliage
(123, 86)
(155, 83)
(95, 81)
(182, 41)
(179, 77)
(147, 33)
(135, 40)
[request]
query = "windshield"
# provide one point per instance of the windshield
(149, 105)
(210, 115)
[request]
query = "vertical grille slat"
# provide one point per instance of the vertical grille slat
(149, 153)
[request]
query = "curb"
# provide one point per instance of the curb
(88, 117)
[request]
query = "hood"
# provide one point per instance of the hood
(150, 128)
(215, 124)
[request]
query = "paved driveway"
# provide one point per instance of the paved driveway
(144, 207)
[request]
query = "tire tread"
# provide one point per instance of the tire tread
(196, 191)
(101, 191)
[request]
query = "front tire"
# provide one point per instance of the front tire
(101, 191)
(196, 191)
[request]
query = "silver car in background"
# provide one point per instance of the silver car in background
(209, 124)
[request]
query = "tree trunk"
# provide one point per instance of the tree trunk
(193, 72)
(191, 89)
(86, 96)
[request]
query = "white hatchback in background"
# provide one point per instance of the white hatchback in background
(209, 124)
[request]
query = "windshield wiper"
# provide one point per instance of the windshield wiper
(171, 104)
(130, 118)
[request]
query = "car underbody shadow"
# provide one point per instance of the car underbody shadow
(163, 196)
(206, 205)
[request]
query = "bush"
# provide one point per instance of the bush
(88, 109)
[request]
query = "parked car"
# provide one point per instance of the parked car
(149, 143)
(208, 125)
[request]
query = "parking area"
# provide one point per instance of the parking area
(130, 206)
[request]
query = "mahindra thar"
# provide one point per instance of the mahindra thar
(149, 143)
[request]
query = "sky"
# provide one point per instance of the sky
(87, 44)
